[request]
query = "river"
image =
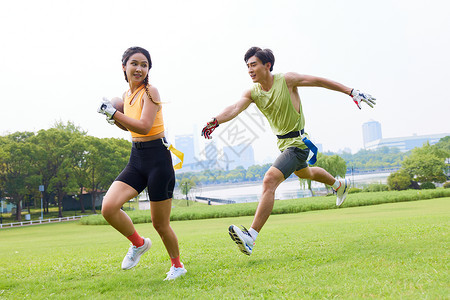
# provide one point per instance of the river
(289, 189)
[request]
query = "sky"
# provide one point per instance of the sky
(59, 58)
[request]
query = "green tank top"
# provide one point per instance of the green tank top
(277, 107)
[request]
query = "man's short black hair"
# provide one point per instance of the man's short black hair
(264, 55)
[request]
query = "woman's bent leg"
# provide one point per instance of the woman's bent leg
(160, 211)
(118, 194)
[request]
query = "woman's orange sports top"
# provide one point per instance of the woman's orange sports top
(135, 110)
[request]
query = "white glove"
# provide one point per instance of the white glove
(107, 109)
(359, 97)
(110, 121)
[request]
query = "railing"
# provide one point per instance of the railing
(222, 201)
(37, 222)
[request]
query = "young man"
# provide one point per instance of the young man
(277, 97)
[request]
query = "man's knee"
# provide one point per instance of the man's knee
(272, 179)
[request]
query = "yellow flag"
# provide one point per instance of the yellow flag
(178, 154)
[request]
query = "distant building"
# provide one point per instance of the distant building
(240, 155)
(405, 143)
(371, 132)
(69, 202)
(185, 143)
(319, 147)
(6, 207)
(345, 150)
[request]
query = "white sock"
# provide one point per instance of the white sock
(336, 184)
(253, 233)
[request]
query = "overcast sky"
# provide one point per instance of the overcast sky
(59, 58)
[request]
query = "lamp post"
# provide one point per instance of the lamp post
(353, 178)
(1, 215)
(447, 160)
(41, 189)
(186, 190)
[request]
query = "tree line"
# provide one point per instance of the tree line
(424, 166)
(336, 164)
(383, 159)
(63, 159)
(67, 161)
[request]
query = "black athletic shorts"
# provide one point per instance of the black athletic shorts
(150, 165)
(290, 160)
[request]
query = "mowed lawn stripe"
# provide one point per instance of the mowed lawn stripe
(392, 251)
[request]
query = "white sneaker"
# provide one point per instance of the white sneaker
(134, 254)
(242, 238)
(342, 191)
(174, 273)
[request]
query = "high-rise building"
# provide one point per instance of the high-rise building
(185, 143)
(239, 155)
(371, 131)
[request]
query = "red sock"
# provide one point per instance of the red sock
(136, 239)
(176, 262)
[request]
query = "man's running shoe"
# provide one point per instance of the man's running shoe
(242, 238)
(342, 191)
(174, 273)
(134, 254)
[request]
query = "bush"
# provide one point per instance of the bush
(376, 187)
(197, 212)
(427, 186)
(447, 185)
(399, 180)
(354, 190)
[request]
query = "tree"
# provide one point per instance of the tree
(307, 182)
(63, 183)
(333, 164)
(444, 144)
(79, 165)
(54, 161)
(62, 159)
(186, 185)
(399, 180)
(94, 162)
(426, 164)
(48, 159)
(16, 169)
(105, 159)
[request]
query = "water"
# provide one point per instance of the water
(289, 189)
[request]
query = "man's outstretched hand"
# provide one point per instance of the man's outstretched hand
(209, 128)
(359, 97)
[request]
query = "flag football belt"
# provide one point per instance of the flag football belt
(312, 158)
(155, 143)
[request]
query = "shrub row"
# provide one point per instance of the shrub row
(281, 206)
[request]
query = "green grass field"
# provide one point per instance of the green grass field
(390, 251)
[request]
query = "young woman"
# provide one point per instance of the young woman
(150, 163)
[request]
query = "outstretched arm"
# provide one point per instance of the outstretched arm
(234, 110)
(227, 114)
(294, 80)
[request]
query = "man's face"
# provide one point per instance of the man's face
(256, 69)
